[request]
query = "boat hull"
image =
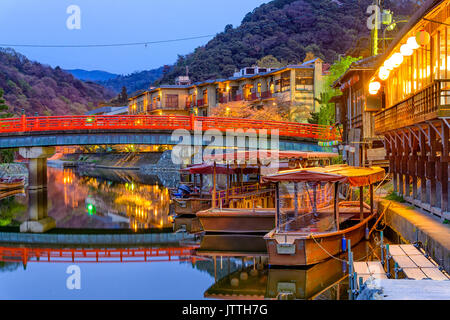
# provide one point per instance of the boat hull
(190, 207)
(241, 221)
(304, 251)
(10, 186)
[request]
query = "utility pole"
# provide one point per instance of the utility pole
(375, 29)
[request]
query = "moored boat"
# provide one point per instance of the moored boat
(11, 184)
(312, 236)
(253, 210)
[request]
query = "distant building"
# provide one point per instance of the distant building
(294, 85)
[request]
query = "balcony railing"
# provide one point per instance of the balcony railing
(429, 103)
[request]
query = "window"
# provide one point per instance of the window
(205, 96)
(286, 81)
(171, 101)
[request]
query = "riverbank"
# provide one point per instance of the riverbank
(412, 225)
(14, 170)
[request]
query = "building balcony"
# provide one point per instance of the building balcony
(430, 103)
(200, 102)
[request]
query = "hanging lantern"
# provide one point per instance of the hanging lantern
(374, 87)
(389, 64)
(397, 59)
(422, 38)
(383, 74)
(406, 50)
(412, 43)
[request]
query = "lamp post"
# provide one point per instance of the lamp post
(384, 32)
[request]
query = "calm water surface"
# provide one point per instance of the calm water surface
(215, 267)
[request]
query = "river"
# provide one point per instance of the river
(129, 203)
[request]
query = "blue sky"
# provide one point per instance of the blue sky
(43, 22)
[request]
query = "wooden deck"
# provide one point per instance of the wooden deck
(367, 269)
(414, 264)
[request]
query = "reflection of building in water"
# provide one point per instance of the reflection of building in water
(139, 206)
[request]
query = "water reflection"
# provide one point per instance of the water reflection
(84, 202)
(198, 266)
(254, 279)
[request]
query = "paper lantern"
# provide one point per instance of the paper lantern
(406, 50)
(397, 59)
(412, 43)
(383, 74)
(389, 64)
(422, 38)
(374, 87)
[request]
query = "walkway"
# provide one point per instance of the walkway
(414, 225)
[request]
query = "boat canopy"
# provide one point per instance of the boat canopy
(354, 176)
(269, 155)
(208, 168)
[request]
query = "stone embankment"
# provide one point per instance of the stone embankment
(14, 170)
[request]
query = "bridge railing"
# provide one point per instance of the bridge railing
(24, 255)
(166, 122)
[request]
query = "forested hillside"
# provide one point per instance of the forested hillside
(287, 30)
(39, 88)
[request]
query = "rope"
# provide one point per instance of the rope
(329, 254)
(312, 237)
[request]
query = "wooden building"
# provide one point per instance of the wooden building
(355, 113)
(413, 77)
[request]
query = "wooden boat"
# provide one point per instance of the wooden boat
(258, 281)
(253, 211)
(232, 245)
(8, 193)
(10, 184)
(198, 199)
(312, 237)
(188, 224)
(313, 281)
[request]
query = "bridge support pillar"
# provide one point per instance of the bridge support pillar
(38, 219)
(37, 165)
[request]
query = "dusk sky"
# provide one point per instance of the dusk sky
(43, 22)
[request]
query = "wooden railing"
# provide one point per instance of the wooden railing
(429, 103)
(224, 194)
(167, 122)
(63, 255)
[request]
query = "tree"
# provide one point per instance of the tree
(3, 107)
(314, 119)
(6, 155)
(269, 62)
(123, 95)
(327, 109)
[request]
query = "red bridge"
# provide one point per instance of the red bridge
(171, 122)
(25, 255)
